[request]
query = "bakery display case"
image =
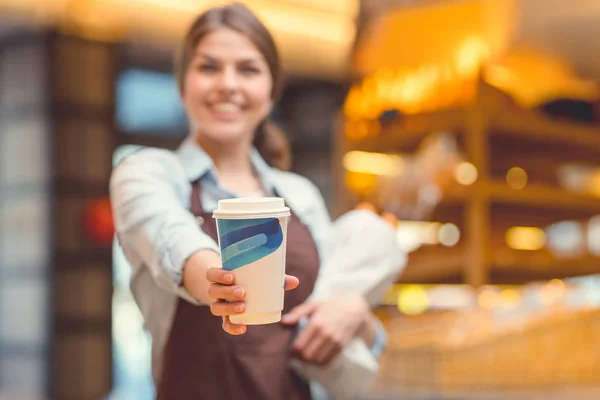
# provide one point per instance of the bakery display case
(523, 173)
(489, 158)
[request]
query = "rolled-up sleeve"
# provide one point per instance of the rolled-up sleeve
(381, 339)
(150, 196)
(322, 230)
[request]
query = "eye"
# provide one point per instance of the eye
(207, 68)
(249, 70)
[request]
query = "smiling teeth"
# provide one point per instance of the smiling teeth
(226, 107)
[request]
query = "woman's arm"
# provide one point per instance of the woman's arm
(150, 199)
(194, 274)
(332, 324)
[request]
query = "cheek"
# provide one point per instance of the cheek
(262, 99)
(267, 105)
(194, 87)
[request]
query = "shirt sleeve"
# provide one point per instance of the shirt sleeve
(381, 340)
(150, 197)
(322, 231)
(320, 220)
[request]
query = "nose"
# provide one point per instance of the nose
(229, 80)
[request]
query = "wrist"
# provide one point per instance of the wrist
(194, 274)
(367, 327)
(368, 332)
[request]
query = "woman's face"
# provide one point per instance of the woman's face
(227, 87)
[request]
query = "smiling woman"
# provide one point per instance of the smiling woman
(227, 88)
(229, 76)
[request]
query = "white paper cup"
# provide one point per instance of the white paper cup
(252, 240)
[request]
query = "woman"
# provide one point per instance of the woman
(229, 77)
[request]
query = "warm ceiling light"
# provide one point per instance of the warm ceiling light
(525, 238)
(326, 28)
(413, 300)
(373, 163)
(516, 178)
(449, 235)
(334, 24)
(465, 173)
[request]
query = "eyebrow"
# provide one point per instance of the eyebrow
(216, 60)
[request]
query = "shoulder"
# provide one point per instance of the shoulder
(149, 169)
(291, 179)
(292, 185)
(303, 196)
(147, 155)
(149, 160)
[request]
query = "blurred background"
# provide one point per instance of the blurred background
(475, 123)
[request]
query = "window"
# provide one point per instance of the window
(148, 103)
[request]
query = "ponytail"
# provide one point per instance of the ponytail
(273, 145)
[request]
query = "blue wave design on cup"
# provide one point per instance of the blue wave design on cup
(244, 241)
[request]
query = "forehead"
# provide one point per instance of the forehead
(228, 45)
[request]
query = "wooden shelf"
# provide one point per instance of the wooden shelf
(531, 196)
(544, 197)
(409, 130)
(545, 129)
(437, 264)
(426, 265)
(494, 134)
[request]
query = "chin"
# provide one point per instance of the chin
(224, 136)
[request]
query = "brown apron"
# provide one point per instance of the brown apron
(201, 361)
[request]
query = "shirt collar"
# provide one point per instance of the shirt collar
(197, 164)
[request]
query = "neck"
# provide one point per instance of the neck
(230, 159)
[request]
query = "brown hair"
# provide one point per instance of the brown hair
(275, 147)
(239, 18)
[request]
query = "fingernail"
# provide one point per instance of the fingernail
(241, 329)
(239, 307)
(238, 292)
(228, 277)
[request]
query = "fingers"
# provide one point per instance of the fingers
(305, 336)
(219, 275)
(311, 350)
(317, 345)
(298, 312)
(324, 353)
(219, 291)
(291, 282)
(223, 288)
(233, 329)
(222, 308)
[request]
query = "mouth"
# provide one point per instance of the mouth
(225, 111)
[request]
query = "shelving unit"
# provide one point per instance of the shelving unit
(491, 118)
(407, 131)
(446, 265)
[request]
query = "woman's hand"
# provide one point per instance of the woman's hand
(332, 325)
(229, 297)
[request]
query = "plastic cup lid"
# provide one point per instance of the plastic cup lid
(251, 207)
